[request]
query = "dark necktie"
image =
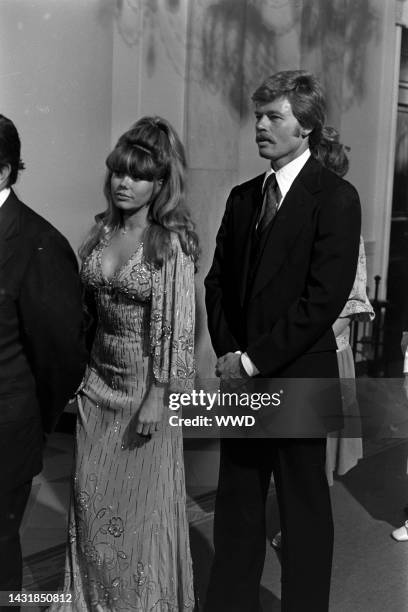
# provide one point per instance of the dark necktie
(271, 199)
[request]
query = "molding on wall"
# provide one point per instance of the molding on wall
(370, 247)
(386, 160)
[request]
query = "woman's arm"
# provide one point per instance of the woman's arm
(171, 338)
(358, 305)
(340, 325)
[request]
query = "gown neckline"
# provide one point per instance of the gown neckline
(120, 268)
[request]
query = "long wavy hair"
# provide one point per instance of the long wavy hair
(150, 150)
(330, 152)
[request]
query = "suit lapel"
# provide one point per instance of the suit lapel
(245, 226)
(9, 227)
(287, 224)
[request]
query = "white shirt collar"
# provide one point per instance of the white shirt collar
(287, 174)
(4, 194)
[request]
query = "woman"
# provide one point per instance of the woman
(343, 452)
(129, 544)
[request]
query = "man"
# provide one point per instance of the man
(41, 350)
(284, 265)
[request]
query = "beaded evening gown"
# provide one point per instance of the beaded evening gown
(128, 536)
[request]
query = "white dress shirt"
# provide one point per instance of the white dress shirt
(284, 177)
(4, 194)
(287, 174)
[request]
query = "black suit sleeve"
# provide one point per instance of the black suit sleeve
(52, 324)
(217, 280)
(331, 275)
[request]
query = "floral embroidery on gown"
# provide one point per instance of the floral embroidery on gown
(128, 543)
(343, 452)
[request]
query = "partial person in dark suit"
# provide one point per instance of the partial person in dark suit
(285, 261)
(41, 350)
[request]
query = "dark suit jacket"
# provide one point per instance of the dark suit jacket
(280, 308)
(42, 357)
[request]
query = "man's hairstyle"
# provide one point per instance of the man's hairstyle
(305, 95)
(10, 149)
(332, 153)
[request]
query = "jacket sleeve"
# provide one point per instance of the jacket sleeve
(331, 274)
(172, 321)
(52, 324)
(222, 338)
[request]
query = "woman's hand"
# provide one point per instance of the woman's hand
(146, 421)
(150, 415)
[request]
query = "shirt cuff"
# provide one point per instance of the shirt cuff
(405, 362)
(248, 365)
